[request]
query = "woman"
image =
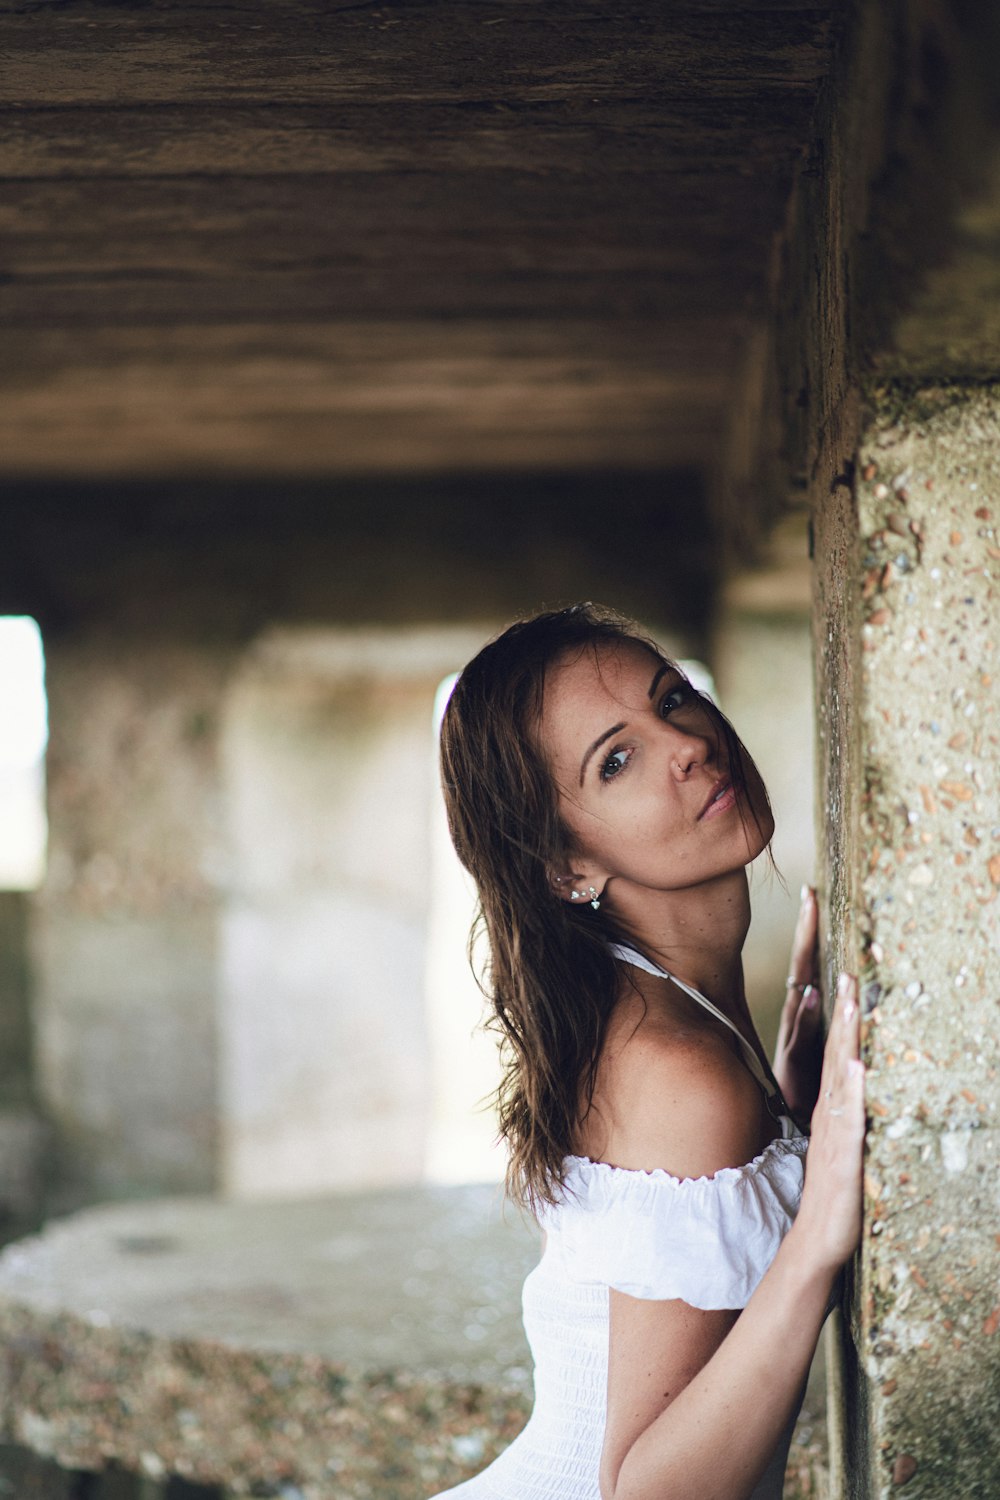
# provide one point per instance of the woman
(607, 812)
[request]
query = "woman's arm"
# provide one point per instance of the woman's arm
(697, 1401)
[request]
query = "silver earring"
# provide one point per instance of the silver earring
(595, 899)
(578, 895)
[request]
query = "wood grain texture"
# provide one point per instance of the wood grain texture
(352, 398)
(312, 238)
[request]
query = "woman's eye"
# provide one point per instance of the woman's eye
(614, 764)
(675, 698)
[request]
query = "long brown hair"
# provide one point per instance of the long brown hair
(551, 979)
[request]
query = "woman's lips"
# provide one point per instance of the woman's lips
(721, 804)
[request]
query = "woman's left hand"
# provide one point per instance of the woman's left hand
(798, 1054)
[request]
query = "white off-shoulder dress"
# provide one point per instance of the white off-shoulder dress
(706, 1240)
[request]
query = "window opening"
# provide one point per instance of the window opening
(23, 738)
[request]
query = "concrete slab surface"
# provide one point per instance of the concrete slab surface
(363, 1345)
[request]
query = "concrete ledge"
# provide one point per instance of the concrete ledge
(365, 1345)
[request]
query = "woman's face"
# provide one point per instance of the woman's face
(640, 761)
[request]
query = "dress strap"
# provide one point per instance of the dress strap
(640, 961)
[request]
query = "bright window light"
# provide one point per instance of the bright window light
(23, 737)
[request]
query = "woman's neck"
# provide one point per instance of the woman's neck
(697, 933)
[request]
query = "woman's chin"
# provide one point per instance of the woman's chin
(758, 838)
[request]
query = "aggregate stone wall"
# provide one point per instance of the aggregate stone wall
(909, 705)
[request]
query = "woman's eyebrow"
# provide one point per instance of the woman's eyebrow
(615, 729)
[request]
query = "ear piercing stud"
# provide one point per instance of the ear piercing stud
(589, 894)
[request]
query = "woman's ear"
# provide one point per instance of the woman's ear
(573, 886)
(563, 883)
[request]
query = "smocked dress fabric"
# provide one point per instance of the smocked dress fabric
(706, 1240)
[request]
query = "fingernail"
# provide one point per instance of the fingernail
(843, 983)
(810, 997)
(804, 894)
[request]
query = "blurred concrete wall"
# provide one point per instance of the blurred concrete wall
(763, 668)
(125, 929)
(329, 778)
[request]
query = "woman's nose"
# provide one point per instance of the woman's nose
(687, 752)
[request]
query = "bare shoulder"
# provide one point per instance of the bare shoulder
(677, 1098)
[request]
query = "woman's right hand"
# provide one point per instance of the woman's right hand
(829, 1217)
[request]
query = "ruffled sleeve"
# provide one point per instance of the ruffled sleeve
(707, 1240)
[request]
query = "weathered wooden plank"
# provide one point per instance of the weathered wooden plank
(237, 248)
(529, 232)
(83, 305)
(694, 345)
(404, 50)
(631, 214)
(360, 398)
(759, 135)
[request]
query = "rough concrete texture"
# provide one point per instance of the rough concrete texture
(363, 1345)
(124, 930)
(925, 878)
(952, 328)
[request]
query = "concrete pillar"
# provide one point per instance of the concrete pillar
(908, 625)
(16, 1050)
(23, 1138)
(125, 927)
(330, 771)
